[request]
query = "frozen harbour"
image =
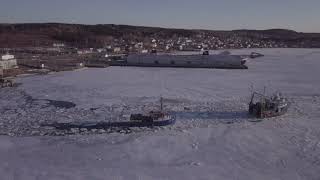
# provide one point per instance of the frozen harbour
(212, 139)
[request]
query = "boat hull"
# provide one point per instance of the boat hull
(179, 66)
(106, 125)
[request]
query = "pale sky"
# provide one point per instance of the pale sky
(299, 15)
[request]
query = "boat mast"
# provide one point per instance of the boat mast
(161, 103)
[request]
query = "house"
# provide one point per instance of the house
(58, 45)
(116, 49)
(144, 51)
(8, 62)
(139, 45)
(84, 51)
(100, 50)
(154, 45)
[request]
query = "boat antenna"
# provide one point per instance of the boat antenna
(161, 103)
(251, 88)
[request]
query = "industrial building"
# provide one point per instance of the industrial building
(8, 62)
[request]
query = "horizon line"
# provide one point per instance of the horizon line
(146, 26)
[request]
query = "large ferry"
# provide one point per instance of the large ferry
(223, 60)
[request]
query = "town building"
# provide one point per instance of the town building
(116, 49)
(58, 45)
(8, 62)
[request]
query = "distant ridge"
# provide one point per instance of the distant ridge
(79, 35)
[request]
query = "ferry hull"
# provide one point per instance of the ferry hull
(183, 61)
